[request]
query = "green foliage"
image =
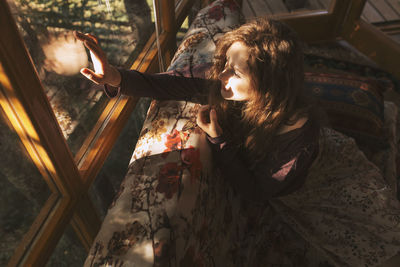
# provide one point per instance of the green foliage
(112, 26)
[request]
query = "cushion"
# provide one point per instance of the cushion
(385, 159)
(211, 22)
(354, 105)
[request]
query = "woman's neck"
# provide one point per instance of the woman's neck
(298, 124)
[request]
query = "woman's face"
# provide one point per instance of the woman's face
(236, 78)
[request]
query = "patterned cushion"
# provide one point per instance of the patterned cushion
(209, 25)
(354, 105)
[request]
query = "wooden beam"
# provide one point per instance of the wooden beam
(168, 15)
(319, 25)
(353, 15)
(376, 45)
(312, 27)
(169, 25)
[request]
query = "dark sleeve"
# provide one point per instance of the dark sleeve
(267, 180)
(173, 85)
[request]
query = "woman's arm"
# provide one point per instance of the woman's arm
(172, 85)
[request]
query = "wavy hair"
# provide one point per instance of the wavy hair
(278, 97)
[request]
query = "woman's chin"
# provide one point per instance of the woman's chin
(226, 94)
(229, 95)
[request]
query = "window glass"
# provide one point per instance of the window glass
(122, 27)
(182, 31)
(108, 181)
(69, 251)
(23, 191)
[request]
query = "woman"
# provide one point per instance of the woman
(264, 109)
(268, 143)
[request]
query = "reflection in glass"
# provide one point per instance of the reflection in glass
(107, 182)
(68, 252)
(23, 191)
(182, 31)
(122, 27)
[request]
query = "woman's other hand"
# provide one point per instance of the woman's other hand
(208, 122)
(103, 72)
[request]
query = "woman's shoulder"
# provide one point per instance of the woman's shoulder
(285, 128)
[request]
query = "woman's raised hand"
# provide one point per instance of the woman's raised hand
(208, 122)
(103, 73)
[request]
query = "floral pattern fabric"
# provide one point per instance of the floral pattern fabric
(167, 215)
(346, 209)
(174, 209)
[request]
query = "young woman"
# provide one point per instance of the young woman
(257, 91)
(268, 142)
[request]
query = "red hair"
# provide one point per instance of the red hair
(278, 97)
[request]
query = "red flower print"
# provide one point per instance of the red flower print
(162, 253)
(230, 4)
(191, 159)
(175, 140)
(168, 179)
(216, 12)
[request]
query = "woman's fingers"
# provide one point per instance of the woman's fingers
(200, 120)
(85, 36)
(90, 41)
(207, 120)
(96, 78)
(213, 117)
(92, 37)
(203, 115)
(96, 50)
(103, 72)
(204, 107)
(78, 35)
